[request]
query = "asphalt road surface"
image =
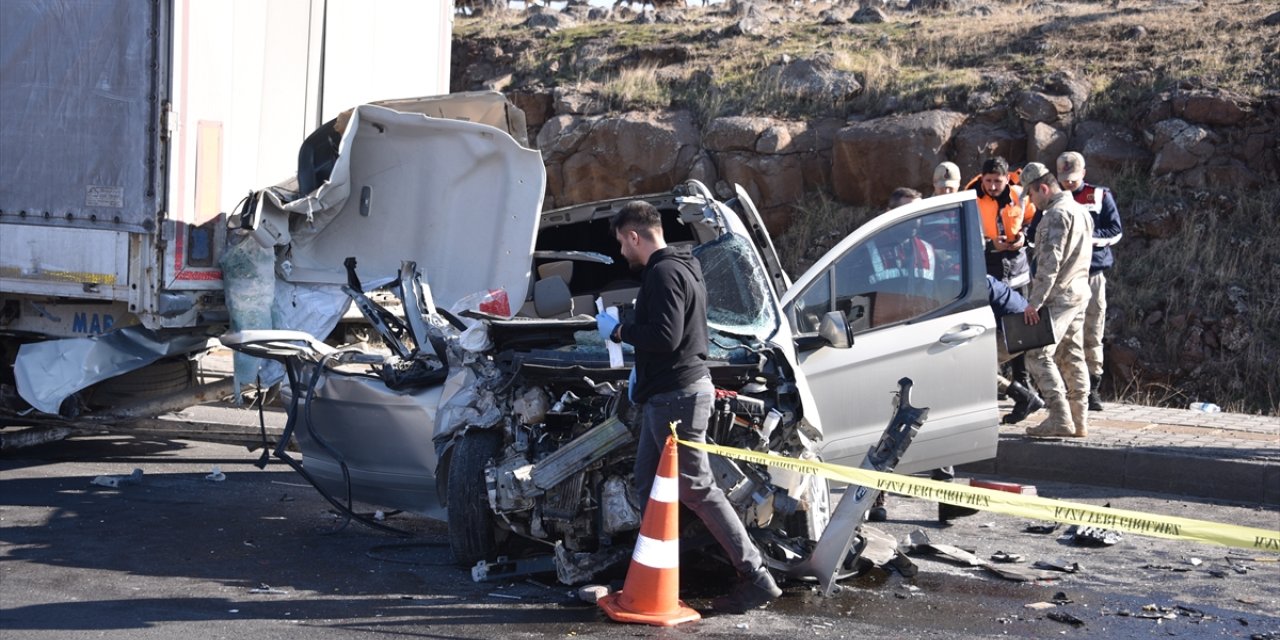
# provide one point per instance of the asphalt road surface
(259, 554)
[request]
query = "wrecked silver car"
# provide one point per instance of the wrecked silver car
(516, 428)
(500, 409)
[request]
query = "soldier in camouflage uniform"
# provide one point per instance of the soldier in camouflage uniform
(1107, 231)
(1064, 249)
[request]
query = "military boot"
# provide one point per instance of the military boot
(1059, 423)
(1025, 402)
(1079, 417)
(1095, 399)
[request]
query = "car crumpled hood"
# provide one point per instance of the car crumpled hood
(460, 198)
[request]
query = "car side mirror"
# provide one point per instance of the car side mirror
(835, 331)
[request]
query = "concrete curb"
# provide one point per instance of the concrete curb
(1237, 458)
(1239, 480)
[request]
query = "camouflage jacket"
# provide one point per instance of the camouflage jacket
(1064, 248)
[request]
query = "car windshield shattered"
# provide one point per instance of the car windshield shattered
(738, 296)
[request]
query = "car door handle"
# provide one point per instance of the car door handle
(964, 333)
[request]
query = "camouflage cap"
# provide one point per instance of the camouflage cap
(1034, 171)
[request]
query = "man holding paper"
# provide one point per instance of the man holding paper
(671, 383)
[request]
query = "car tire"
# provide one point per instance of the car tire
(472, 529)
(169, 375)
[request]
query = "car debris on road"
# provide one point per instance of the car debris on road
(115, 481)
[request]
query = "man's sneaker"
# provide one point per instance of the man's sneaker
(752, 591)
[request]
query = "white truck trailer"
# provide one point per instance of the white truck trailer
(128, 130)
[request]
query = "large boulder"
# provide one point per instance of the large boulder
(870, 159)
(772, 181)
(1044, 143)
(537, 105)
(734, 133)
(600, 157)
(571, 102)
(776, 161)
(868, 15)
(548, 22)
(816, 80)
(1261, 150)
(769, 136)
(1209, 107)
(1109, 151)
(1221, 173)
(977, 141)
(561, 135)
(817, 135)
(751, 19)
(1065, 83)
(1034, 106)
(1179, 146)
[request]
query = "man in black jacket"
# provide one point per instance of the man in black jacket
(671, 382)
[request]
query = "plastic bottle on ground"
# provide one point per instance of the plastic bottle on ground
(1206, 407)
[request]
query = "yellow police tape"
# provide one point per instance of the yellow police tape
(1014, 504)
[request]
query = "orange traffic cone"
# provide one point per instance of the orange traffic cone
(650, 594)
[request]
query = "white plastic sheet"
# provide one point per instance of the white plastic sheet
(49, 372)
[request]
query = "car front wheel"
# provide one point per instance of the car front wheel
(472, 531)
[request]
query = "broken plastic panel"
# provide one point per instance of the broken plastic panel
(832, 549)
(249, 283)
(49, 372)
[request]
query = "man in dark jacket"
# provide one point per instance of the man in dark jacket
(1106, 232)
(1005, 300)
(672, 384)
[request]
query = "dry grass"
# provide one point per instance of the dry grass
(920, 60)
(1202, 304)
(636, 87)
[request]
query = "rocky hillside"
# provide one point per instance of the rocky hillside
(821, 109)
